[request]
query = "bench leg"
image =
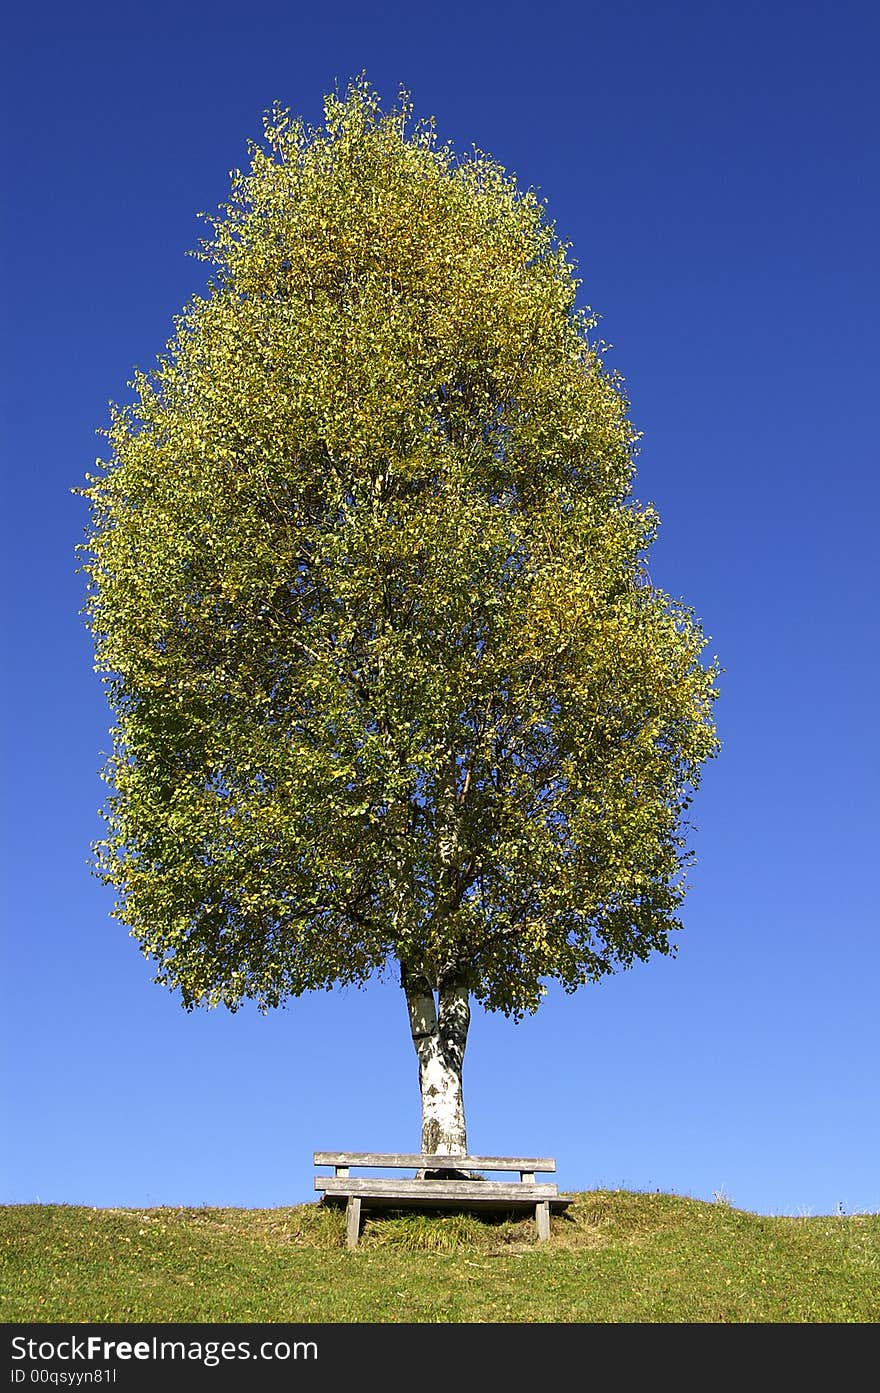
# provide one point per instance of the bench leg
(352, 1221)
(542, 1219)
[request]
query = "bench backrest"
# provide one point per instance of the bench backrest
(397, 1160)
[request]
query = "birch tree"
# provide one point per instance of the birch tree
(393, 691)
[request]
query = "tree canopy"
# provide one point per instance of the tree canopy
(392, 686)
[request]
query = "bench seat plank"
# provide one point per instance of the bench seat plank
(557, 1205)
(431, 1191)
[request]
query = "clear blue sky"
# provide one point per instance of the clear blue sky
(716, 168)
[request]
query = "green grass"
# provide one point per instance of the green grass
(615, 1256)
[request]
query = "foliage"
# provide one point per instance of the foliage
(367, 585)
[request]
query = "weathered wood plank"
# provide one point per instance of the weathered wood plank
(449, 1203)
(503, 1191)
(397, 1160)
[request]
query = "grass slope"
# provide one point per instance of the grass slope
(615, 1256)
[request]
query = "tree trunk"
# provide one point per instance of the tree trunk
(439, 1027)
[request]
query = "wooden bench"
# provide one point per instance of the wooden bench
(433, 1191)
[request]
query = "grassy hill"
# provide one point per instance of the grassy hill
(615, 1256)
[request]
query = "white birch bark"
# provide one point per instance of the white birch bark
(439, 1029)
